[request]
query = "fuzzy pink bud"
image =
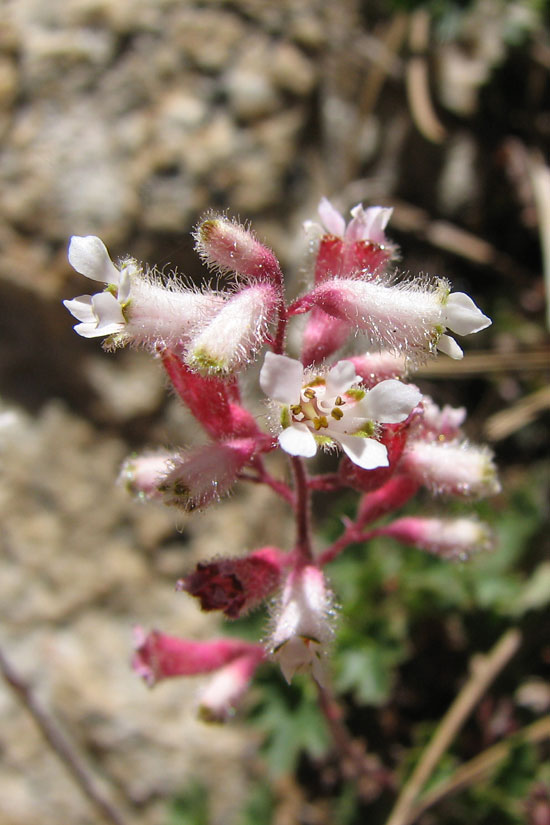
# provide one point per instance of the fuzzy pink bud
(213, 402)
(228, 246)
(159, 656)
(453, 468)
(205, 474)
(233, 338)
(217, 701)
(303, 624)
(456, 539)
(142, 474)
(235, 585)
(439, 423)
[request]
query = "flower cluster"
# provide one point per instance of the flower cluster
(389, 439)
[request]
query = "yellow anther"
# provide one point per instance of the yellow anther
(319, 422)
(309, 393)
(295, 409)
(339, 401)
(337, 414)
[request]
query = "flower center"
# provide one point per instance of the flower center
(315, 409)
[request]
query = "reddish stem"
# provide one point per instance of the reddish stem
(304, 552)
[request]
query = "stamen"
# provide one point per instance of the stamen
(319, 422)
(337, 414)
(309, 393)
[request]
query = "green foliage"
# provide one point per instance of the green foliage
(190, 807)
(291, 722)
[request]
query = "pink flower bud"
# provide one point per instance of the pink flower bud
(205, 474)
(142, 474)
(235, 585)
(212, 401)
(159, 656)
(453, 468)
(229, 247)
(217, 701)
(302, 624)
(452, 538)
(233, 338)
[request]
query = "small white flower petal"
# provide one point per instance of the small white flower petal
(448, 345)
(332, 220)
(88, 255)
(340, 378)
(389, 402)
(107, 310)
(367, 453)
(298, 440)
(281, 378)
(91, 330)
(124, 284)
(463, 316)
(81, 308)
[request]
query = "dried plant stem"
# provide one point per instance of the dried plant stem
(484, 671)
(479, 767)
(61, 746)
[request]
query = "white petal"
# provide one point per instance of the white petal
(463, 316)
(340, 378)
(107, 310)
(124, 284)
(367, 453)
(281, 378)
(298, 440)
(449, 346)
(89, 256)
(389, 402)
(331, 218)
(93, 331)
(379, 217)
(81, 308)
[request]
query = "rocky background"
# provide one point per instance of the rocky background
(128, 119)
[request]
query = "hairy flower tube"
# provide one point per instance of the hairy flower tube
(302, 624)
(454, 468)
(409, 316)
(136, 307)
(451, 538)
(231, 340)
(331, 410)
(160, 656)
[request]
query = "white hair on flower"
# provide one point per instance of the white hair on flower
(331, 409)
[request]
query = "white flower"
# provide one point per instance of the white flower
(365, 225)
(329, 410)
(462, 316)
(302, 624)
(136, 306)
(102, 313)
